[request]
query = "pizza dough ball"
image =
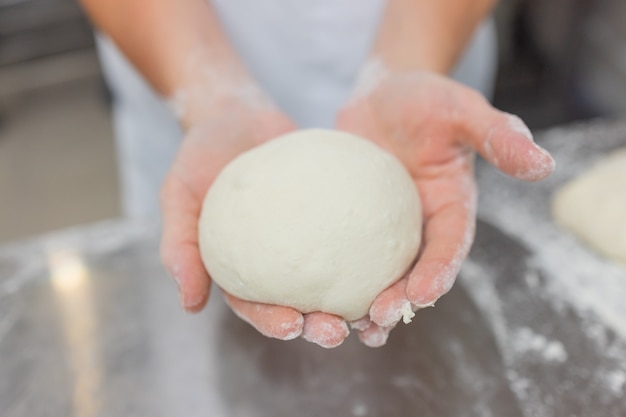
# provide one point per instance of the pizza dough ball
(593, 206)
(317, 220)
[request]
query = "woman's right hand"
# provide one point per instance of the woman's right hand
(211, 143)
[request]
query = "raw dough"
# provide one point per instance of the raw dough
(593, 206)
(318, 220)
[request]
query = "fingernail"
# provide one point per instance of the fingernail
(543, 151)
(181, 297)
(174, 272)
(551, 163)
(190, 304)
(293, 329)
(326, 335)
(517, 125)
(399, 310)
(422, 301)
(540, 168)
(425, 305)
(361, 324)
(177, 281)
(437, 281)
(547, 154)
(375, 337)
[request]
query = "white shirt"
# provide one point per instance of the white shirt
(304, 53)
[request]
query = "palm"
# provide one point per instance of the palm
(207, 148)
(433, 125)
(205, 151)
(430, 123)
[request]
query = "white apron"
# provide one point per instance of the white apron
(304, 53)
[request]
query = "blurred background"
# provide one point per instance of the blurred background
(560, 61)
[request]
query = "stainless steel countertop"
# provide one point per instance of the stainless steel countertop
(90, 326)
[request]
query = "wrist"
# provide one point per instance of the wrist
(197, 104)
(375, 71)
(210, 85)
(427, 35)
(403, 57)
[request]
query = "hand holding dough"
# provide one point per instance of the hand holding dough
(316, 220)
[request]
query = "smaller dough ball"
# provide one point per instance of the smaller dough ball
(593, 206)
(317, 220)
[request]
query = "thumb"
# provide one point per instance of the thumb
(505, 141)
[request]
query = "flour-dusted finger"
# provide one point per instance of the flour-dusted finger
(392, 305)
(505, 141)
(325, 330)
(277, 322)
(375, 336)
(448, 236)
(179, 245)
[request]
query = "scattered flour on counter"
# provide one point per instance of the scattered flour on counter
(359, 410)
(615, 381)
(29, 256)
(532, 278)
(7, 321)
(562, 271)
(585, 279)
(474, 276)
(588, 281)
(519, 384)
(576, 273)
(18, 264)
(518, 348)
(526, 341)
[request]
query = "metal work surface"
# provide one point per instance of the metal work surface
(90, 326)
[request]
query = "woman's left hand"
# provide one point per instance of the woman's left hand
(434, 125)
